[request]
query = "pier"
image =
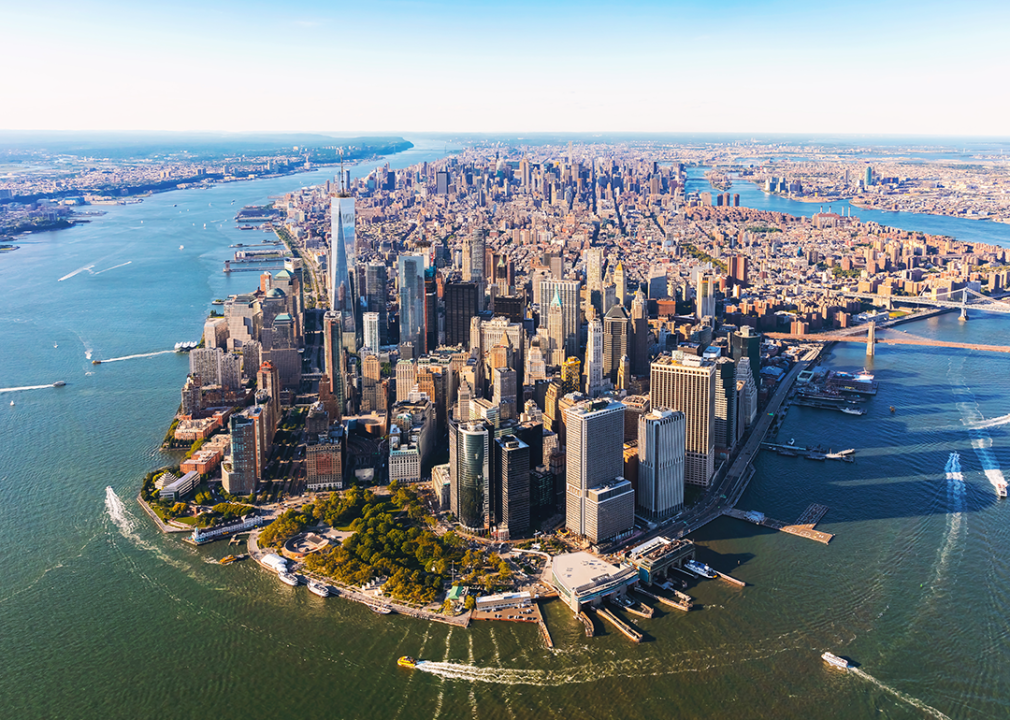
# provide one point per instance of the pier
(587, 623)
(625, 629)
(677, 604)
(729, 578)
(803, 527)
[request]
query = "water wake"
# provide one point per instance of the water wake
(918, 704)
(114, 267)
(992, 422)
(78, 270)
(972, 419)
(956, 505)
(139, 355)
(26, 387)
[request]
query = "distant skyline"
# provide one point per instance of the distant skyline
(395, 66)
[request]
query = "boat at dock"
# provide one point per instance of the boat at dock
(835, 661)
(288, 579)
(699, 568)
(319, 589)
(379, 609)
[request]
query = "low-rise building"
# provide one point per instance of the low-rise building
(178, 487)
(584, 579)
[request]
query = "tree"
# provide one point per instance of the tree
(469, 603)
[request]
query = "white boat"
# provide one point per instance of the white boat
(835, 661)
(700, 568)
(853, 411)
(319, 589)
(59, 383)
(12, 403)
(288, 579)
(379, 609)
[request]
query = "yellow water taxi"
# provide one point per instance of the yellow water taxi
(407, 661)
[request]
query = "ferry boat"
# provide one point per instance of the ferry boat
(288, 579)
(835, 661)
(186, 346)
(59, 383)
(407, 661)
(379, 609)
(319, 589)
(699, 568)
(229, 559)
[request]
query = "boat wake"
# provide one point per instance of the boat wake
(78, 270)
(126, 523)
(918, 704)
(972, 419)
(992, 422)
(114, 267)
(140, 355)
(26, 387)
(956, 505)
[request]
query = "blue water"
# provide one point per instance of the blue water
(752, 196)
(102, 617)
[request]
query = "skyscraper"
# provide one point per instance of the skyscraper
(469, 473)
(661, 452)
(460, 306)
(746, 342)
(343, 252)
(639, 350)
(705, 296)
(616, 331)
(567, 294)
(370, 325)
(556, 331)
(239, 476)
(621, 283)
(333, 352)
(513, 475)
(594, 358)
(687, 383)
(411, 282)
(598, 498)
(376, 282)
(725, 404)
(473, 259)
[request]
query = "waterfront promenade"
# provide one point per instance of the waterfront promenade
(349, 593)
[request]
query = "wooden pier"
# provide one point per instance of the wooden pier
(587, 623)
(628, 631)
(803, 527)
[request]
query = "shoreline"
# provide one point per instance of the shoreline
(348, 593)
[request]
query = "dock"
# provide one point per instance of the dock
(729, 578)
(587, 623)
(685, 606)
(546, 633)
(803, 527)
(640, 609)
(628, 631)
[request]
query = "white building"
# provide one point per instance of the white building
(661, 452)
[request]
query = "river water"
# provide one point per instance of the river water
(103, 617)
(983, 231)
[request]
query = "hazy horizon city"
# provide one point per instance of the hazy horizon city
(423, 360)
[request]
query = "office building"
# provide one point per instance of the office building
(469, 473)
(412, 316)
(705, 296)
(725, 404)
(513, 480)
(687, 383)
(460, 307)
(376, 285)
(343, 253)
(661, 454)
(595, 462)
(616, 332)
(333, 353)
(594, 359)
(746, 341)
(370, 331)
(238, 474)
(565, 294)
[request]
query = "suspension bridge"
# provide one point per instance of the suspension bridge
(969, 300)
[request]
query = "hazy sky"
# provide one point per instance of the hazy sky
(412, 65)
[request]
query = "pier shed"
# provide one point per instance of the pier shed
(653, 559)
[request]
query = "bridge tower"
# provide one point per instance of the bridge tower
(871, 338)
(964, 305)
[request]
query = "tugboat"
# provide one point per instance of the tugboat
(408, 662)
